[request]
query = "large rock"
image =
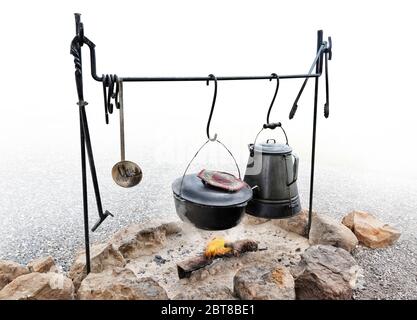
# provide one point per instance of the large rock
(326, 272)
(102, 256)
(9, 271)
(326, 230)
(369, 230)
(119, 284)
(264, 282)
(252, 220)
(43, 265)
(297, 224)
(134, 241)
(39, 286)
(206, 292)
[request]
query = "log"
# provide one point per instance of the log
(241, 246)
(187, 267)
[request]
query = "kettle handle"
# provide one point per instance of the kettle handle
(295, 170)
(271, 126)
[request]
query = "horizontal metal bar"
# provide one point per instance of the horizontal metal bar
(91, 46)
(157, 79)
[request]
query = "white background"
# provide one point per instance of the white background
(372, 79)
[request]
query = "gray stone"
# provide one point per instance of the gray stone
(328, 231)
(326, 272)
(120, 284)
(264, 282)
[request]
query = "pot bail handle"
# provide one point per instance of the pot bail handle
(198, 151)
(272, 126)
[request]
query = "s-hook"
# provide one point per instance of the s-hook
(212, 76)
(111, 82)
(272, 125)
(274, 75)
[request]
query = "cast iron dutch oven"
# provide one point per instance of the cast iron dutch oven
(209, 206)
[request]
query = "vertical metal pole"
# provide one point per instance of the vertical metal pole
(76, 52)
(313, 144)
(85, 203)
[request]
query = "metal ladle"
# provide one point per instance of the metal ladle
(125, 173)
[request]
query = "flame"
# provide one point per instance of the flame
(216, 247)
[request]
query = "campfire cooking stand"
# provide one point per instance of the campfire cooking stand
(110, 90)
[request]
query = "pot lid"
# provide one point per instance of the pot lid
(271, 147)
(196, 191)
(222, 180)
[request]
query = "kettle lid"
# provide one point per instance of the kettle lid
(271, 147)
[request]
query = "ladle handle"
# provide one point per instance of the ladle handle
(122, 122)
(198, 151)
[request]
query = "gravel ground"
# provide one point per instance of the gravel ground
(41, 214)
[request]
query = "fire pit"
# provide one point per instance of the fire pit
(196, 264)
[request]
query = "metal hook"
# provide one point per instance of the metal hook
(115, 94)
(212, 76)
(106, 113)
(274, 75)
(327, 56)
(329, 47)
(110, 93)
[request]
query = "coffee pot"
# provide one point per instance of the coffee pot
(272, 172)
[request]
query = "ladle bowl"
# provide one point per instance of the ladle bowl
(126, 174)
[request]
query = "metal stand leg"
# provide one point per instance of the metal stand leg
(102, 216)
(85, 201)
(76, 52)
(76, 44)
(313, 156)
(313, 143)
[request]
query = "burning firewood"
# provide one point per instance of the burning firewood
(241, 246)
(217, 248)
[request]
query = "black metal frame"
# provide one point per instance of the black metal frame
(323, 48)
